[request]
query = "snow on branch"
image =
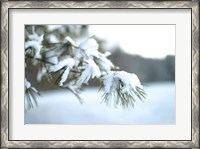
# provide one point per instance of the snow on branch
(34, 43)
(31, 95)
(122, 85)
(76, 64)
(91, 70)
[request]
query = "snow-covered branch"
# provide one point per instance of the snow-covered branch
(76, 64)
(123, 86)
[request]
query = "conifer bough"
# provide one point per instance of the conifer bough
(76, 64)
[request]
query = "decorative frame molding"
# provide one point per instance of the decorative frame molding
(6, 5)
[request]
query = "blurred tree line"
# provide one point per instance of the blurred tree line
(147, 69)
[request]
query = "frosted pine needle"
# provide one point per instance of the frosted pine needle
(31, 95)
(122, 87)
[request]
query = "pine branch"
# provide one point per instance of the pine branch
(41, 60)
(47, 62)
(122, 86)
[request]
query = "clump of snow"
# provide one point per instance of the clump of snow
(34, 45)
(106, 54)
(52, 39)
(95, 69)
(89, 44)
(67, 62)
(41, 73)
(51, 28)
(104, 63)
(91, 70)
(34, 42)
(110, 84)
(27, 84)
(70, 40)
(64, 76)
(128, 81)
(88, 48)
(35, 37)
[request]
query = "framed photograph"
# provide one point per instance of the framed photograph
(99, 74)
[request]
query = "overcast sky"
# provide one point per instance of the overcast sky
(152, 41)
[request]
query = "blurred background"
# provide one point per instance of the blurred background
(146, 50)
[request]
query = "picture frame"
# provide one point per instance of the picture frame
(7, 6)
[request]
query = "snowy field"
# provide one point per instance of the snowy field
(62, 107)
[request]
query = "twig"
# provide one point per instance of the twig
(41, 60)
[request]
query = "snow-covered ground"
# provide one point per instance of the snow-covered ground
(62, 107)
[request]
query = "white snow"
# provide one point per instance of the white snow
(51, 28)
(53, 60)
(95, 69)
(64, 76)
(33, 36)
(34, 42)
(104, 64)
(27, 84)
(130, 80)
(51, 56)
(62, 107)
(67, 62)
(41, 73)
(70, 40)
(52, 39)
(109, 83)
(113, 78)
(89, 44)
(91, 70)
(70, 62)
(107, 53)
(89, 48)
(35, 45)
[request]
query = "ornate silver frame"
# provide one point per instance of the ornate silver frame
(6, 143)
